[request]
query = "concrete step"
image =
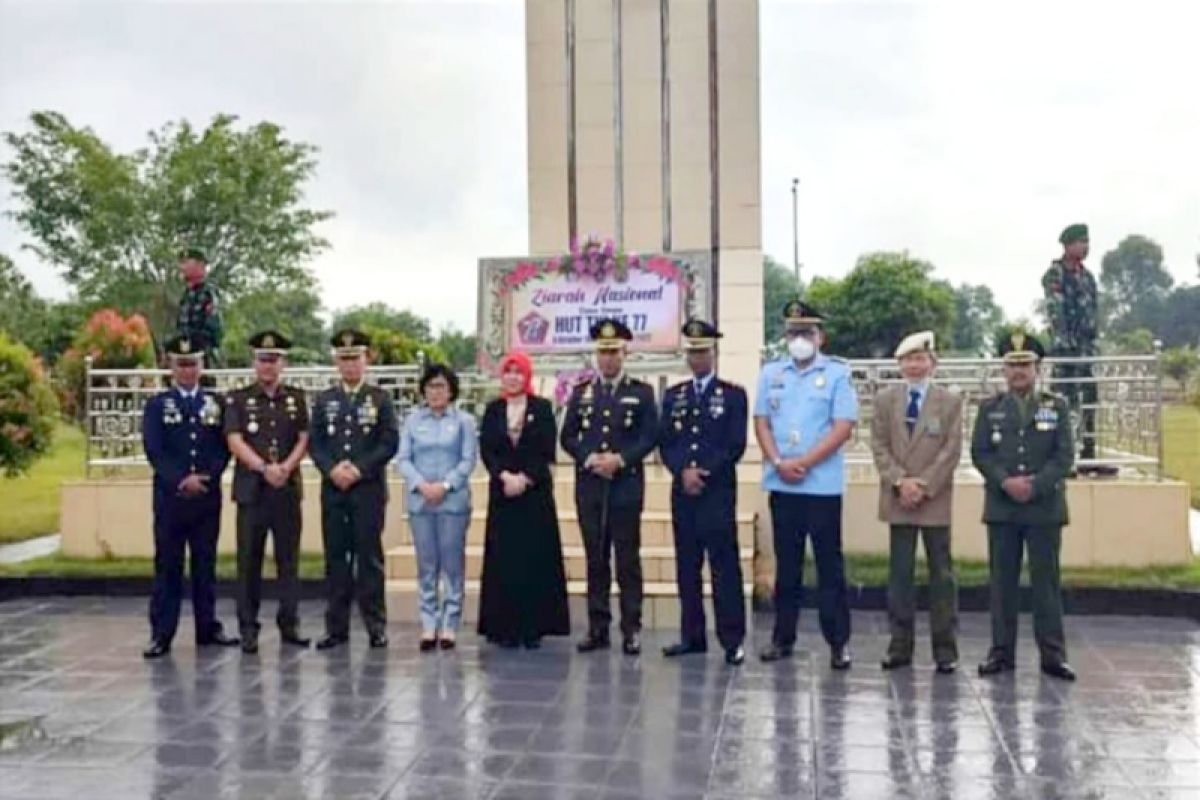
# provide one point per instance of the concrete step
(658, 562)
(656, 528)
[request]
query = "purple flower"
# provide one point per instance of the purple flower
(609, 248)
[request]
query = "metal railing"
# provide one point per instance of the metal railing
(1128, 408)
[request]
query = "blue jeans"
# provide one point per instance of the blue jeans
(441, 543)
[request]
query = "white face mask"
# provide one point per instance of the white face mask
(801, 348)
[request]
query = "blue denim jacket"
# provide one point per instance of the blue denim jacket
(438, 448)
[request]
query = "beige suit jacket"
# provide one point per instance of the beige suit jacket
(930, 454)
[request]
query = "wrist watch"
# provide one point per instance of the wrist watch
(776, 461)
(261, 469)
(446, 485)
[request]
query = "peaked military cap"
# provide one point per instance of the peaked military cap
(922, 342)
(798, 313)
(610, 334)
(270, 342)
(1021, 348)
(700, 335)
(1073, 233)
(350, 342)
(194, 253)
(182, 348)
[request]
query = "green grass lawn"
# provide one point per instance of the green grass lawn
(29, 503)
(1181, 443)
(861, 571)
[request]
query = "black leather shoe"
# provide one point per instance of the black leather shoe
(946, 667)
(682, 649)
(533, 643)
(775, 652)
(378, 641)
(428, 645)
(735, 656)
(219, 639)
(994, 666)
(330, 641)
(294, 639)
(249, 645)
(839, 658)
(447, 644)
(156, 649)
(1061, 670)
(632, 644)
(593, 641)
(890, 663)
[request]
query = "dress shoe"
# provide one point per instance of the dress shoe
(156, 649)
(446, 644)
(735, 656)
(533, 643)
(330, 641)
(839, 658)
(683, 649)
(1061, 670)
(219, 639)
(632, 644)
(593, 641)
(776, 652)
(378, 641)
(294, 639)
(891, 662)
(994, 666)
(429, 645)
(249, 645)
(946, 667)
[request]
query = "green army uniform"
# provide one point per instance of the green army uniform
(271, 424)
(358, 425)
(200, 320)
(1024, 436)
(1072, 308)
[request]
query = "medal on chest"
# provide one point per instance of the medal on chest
(819, 381)
(996, 436)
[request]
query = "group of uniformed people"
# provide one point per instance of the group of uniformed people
(805, 411)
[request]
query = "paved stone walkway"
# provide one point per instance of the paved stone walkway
(82, 717)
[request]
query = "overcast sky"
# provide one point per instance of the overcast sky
(968, 132)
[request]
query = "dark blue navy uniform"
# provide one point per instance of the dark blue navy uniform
(182, 436)
(703, 425)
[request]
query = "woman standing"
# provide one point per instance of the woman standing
(437, 454)
(524, 593)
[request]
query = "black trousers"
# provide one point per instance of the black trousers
(1080, 393)
(276, 512)
(607, 529)
(707, 525)
(352, 529)
(183, 526)
(796, 517)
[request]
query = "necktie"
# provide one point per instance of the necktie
(914, 410)
(699, 388)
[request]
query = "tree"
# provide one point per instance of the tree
(27, 408)
(1134, 283)
(396, 347)
(381, 316)
(884, 298)
(1179, 321)
(976, 316)
(1181, 364)
(459, 348)
(1139, 341)
(115, 223)
(20, 308)
(293, 312)
(779, 286)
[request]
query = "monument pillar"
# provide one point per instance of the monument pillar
(643, 119)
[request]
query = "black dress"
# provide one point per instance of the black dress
(524, 595)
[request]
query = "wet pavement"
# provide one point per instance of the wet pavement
(82, 716)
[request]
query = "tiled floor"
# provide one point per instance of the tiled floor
(481, 723)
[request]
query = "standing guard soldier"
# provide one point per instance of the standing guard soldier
(611, 426)
(353, 437)
(1022, 447)
(199, 319)
(266, 425)
(1071, 306)
(181, 434)
(804, 414)
(703, 436)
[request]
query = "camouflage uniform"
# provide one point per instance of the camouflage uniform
(1071, 305)
(200, 320)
